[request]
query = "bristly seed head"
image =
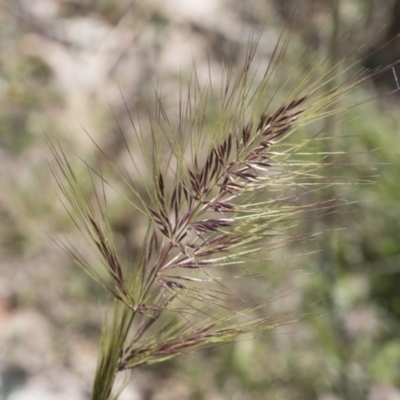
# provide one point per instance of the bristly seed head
(232, 172)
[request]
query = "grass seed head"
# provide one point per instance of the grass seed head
(209, 212)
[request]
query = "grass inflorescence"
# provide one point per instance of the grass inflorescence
(220, 200)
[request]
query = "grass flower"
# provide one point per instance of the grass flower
(222, 197)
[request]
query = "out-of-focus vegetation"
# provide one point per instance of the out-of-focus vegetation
(63, 65)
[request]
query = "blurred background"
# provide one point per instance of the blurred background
(63, 64)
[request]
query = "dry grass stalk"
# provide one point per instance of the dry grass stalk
(171, 300)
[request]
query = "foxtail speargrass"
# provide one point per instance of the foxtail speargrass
(218, 202)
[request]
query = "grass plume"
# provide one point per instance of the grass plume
(222, 197)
